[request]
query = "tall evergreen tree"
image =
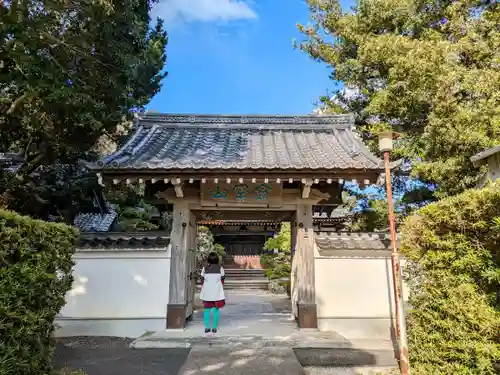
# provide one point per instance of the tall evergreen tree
(429, 69)
(71, 72)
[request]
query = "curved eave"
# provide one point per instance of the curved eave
(157, 146)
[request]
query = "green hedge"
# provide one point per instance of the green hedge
(35, 274)
(453, 248)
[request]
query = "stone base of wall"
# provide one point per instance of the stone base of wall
(359, 328)
(131, 328)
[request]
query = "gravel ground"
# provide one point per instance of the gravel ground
(112, 356)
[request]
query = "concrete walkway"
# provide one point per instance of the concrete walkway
(246, 316)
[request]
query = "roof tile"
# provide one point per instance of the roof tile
(354, 241)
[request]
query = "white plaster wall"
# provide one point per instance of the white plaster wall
(354, 293)
(117, 293)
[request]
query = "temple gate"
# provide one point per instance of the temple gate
(243, 175)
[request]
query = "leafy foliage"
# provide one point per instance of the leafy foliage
(135, 211)
(35, 274)
(278, 265)
(71, 73)
(205, 244)
(282, 241)
(371, 208)
(453, 251)
(426, 69)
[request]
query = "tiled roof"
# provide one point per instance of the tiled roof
(352, 241)
(242, 142)
(339, 212)
(95, 222)
(117, 240)
(10, 161)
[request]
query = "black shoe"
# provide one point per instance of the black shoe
(214, 330)
(207, 330)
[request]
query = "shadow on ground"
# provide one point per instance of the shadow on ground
(344, 357)
(112, 356)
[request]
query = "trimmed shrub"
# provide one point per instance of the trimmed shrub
(267, 261)
(35, 274)
(453, 273)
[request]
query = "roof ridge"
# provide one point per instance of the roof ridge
(286, 122)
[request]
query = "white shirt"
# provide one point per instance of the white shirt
(212, 289)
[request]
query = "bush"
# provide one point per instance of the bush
(35, 274)
(453, 273)
(278, 265)
(267, 261)
(280, 270)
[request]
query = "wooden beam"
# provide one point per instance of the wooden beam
(306, 189)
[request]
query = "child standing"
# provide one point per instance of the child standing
(212, 291)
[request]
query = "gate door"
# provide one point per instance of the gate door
(191, 282)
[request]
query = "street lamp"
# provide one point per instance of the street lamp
(385, 146)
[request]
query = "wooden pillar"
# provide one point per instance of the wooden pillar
(304, 262)
(179, 237)
(293, 274)
(191, 265)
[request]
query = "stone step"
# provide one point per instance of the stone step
(246, 284)
(243, 275)
(248, 270)
(245, 270)
(244, 278)
(240, 275)
(230, 361)
(308, 353)
(246, 274)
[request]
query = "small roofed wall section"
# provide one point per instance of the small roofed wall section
(120, 288)
(490, 158)
(354, 287)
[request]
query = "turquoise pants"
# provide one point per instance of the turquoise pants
(206, 317)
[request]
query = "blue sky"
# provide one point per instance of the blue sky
(236, 57)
